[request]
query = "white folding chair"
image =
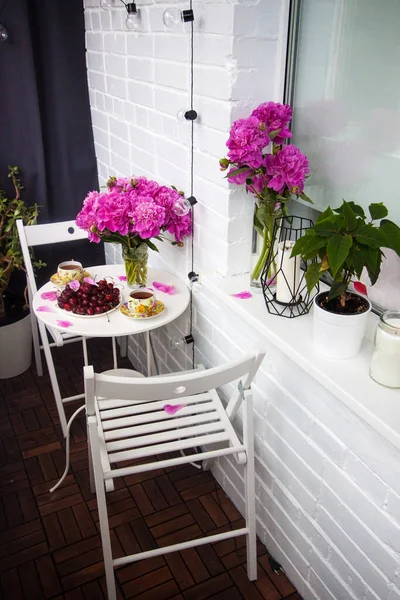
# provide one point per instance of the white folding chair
(39, 235)
(127, 420)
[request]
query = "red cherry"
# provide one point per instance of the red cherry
(73, 301)
(67, 306)
(110, 286)
(108, 297)
(98, 310)
(90, 311)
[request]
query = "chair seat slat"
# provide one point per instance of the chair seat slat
(162, 425)
(164, 436)
(128, 455)
(111, 408)
(160, 415)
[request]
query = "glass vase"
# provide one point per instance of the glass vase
(262, 246)
(135, 260)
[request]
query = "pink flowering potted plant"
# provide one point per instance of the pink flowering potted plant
(133, 212)
(270, 171)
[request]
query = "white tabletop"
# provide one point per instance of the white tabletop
(116, 324)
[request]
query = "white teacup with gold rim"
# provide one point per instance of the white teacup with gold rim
(69, 270)
(141, 302)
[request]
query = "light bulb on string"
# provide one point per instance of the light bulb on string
(178, 343)
(3, 33)
(132, 21)
(105, 4)
(183, 205)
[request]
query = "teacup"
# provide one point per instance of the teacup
(141, 302)
(69, 270)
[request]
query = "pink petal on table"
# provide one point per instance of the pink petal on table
(163, 287)
(122, 277)
(49, 296)
(74, 285)
(89, 280)
(243, 295)
(44, 309)
(171, 409)
(360, 288)
(64, 323)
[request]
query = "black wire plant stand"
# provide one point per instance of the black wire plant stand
(286, 293)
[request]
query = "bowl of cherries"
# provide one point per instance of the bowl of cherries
(89, 299)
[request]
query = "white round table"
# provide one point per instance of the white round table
(115, 324)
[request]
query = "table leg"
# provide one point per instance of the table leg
(148, 352)
(114, 349)
(85, 352)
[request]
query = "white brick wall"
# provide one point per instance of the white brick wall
(328, 486)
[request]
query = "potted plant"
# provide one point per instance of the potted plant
(345, 242)
(15, 325)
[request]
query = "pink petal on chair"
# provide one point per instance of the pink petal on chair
(74, 285)
(49, 296)
(171, 409)
(163, 287)
(44, 309)
(243, 295)
(89, 280)
(64, 323)
(122, 277)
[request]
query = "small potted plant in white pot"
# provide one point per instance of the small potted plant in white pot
(15, 325)
(344, 242)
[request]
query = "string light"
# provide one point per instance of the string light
(173, 17)
(3, 29)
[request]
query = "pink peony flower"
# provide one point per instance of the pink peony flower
(275, 116)
(113, 212)
(246, 142)
(240, 178)
(148, 218)
(288, 167)
(181, 227)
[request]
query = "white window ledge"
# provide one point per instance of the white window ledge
(347, 379)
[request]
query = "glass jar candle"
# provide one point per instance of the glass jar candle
(385, 363)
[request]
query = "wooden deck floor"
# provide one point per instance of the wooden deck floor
(49, 544)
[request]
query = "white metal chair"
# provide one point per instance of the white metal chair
(127, 421)
(39, 235)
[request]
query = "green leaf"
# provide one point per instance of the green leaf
(151, 245)
(307, 244)
(349, 216)
(368, 235)
(374, 265)
(337, 289)
(306, 198)
(391, 235)
(354, 207)
(324, 215)
(378, 211)
(313, 274)
(326, 228)
(237, 171)
(272, 134)
(357, 259)
(338, 249)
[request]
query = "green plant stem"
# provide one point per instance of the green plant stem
(268, 233)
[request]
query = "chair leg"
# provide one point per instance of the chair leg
(90, 460)
(102, 508)
(249, 481)
(35, 337)
(114, 351)
(53, 378)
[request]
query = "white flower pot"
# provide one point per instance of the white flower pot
(15, 348)
(338, 336)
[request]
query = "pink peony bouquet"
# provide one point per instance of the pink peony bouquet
(131, 212)
(270, 171)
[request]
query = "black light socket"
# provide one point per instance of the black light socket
(131, 8)
(189, 339)
(187, 16)
(193, 277)
(192, 200)
(190, 115)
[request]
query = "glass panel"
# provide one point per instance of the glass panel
(347, 100)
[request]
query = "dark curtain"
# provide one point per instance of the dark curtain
(45, 124)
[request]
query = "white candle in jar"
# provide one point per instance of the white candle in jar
(385, 363)
(287, 279)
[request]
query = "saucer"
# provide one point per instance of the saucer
(55, 279)
(153, 312)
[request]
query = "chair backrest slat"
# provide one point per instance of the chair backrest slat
(53, 233)
(176, 386)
